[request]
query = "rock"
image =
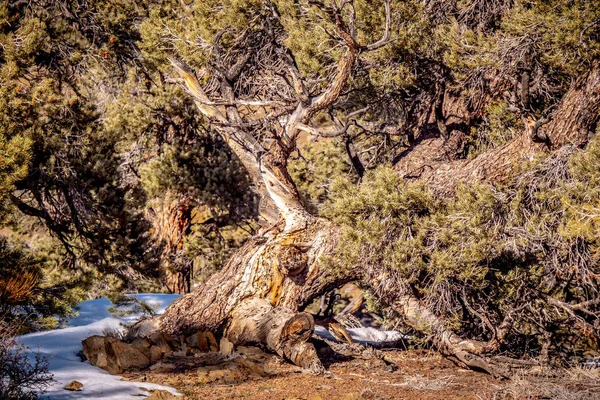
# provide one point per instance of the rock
(176, 343)
(161, 395)
(212, 342)
(143, 346)
(155, 353)
(203, 341)
(94, 349)
(164, 342)
(113, 355)
(198, 341)
(74, 386)
(225, 346)
(161, 366)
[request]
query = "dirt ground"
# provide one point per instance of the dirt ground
(391, 374)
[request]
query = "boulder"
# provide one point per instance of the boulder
(162, 342)
(143, 346)
(74, 386)
(225, 346)
(161, 395)
(212, 342)
(115, 356)
(155, 353)
(203, 341)
(197, 341)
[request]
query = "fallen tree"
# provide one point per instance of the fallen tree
(255, 95)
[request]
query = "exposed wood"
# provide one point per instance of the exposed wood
(171, 219)
(257, 295)
(282, 331)
(285, 268)
(575, 118)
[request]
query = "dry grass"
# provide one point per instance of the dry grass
(576, 383)
(117, 333)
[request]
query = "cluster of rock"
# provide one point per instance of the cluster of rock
(117, 356)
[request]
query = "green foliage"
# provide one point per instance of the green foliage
(500, 125)
(559, 32)
(203, 170)
(95, 135)
(14, 160)
(488, 251)
(27, 294)
(314, 171)
(124, 305)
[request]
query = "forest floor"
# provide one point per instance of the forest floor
(390, 374)
(353, 372)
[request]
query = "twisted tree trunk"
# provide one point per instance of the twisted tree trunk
(256, 297)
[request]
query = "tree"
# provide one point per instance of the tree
(258, 88)
(460, 126)
(85, 144)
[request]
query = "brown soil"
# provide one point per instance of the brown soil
(392, 374)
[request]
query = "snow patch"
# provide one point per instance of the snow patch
(62, 348)
(365, 335)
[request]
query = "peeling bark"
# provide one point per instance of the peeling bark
(282, 331)
(256, 296)
(284, 267)
(171, 219)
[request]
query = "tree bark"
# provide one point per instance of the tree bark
(572, 123)
(256, 296)
(287, 268)
(171, 219)
(282, 330)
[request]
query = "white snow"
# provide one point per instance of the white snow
(365, 335)
(95, 310)
(62, 346)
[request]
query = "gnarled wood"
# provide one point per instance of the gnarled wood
(283, 331)
(284, 267)
(171, 218)
(572, 123)
(274, 274)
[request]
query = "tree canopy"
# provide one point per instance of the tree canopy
(453, 142)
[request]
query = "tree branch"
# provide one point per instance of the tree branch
(385, 39)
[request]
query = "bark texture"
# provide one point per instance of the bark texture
(284, 267)
(255, 298)
(171, 220)
(572, 123)
(282, 330)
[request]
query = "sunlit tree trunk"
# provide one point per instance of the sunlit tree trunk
(171, 219)
(286, 265)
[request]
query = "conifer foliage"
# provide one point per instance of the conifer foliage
(454, 146)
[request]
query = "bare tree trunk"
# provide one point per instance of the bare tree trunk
(285, 268)
(256, 297)
(171, 219)
(572, 123)
(283, 331)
